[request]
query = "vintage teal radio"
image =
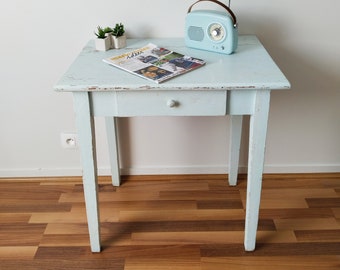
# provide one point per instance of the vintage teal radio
(211, 30)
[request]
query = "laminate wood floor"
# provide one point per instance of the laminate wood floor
(182, 222)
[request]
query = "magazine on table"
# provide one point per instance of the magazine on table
(155, 63)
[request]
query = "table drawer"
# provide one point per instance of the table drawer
(160, 103)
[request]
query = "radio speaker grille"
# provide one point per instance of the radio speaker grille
(196, 33)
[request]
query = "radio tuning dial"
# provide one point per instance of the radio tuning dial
(216, 32)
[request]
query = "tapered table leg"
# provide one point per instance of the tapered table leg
(111, 130)
(257, 139)
(235, 143)
(86, 134)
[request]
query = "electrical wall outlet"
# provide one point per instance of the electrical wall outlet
(69, 140)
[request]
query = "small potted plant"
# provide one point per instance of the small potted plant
(108, 31)
(103, 41)
(118, 36)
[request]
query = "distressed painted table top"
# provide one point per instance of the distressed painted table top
(250, 67)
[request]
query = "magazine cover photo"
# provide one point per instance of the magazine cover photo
(155, 63)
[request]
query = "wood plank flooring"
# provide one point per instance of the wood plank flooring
(181, 222)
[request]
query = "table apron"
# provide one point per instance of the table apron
(172, 103)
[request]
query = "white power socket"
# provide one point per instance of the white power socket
(69, 140)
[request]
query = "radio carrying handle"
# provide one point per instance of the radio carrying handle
(222, 5)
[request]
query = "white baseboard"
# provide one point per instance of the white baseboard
(309, 168)
(302, 168)
(218, 169)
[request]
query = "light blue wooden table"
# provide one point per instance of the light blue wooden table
(236, 85)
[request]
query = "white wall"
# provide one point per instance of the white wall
(39, 39)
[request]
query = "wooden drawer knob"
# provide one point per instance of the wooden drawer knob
(172, 103)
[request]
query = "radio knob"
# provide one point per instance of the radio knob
(216, 32)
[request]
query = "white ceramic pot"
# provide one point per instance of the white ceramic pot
(103, 44)
(119, 42)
